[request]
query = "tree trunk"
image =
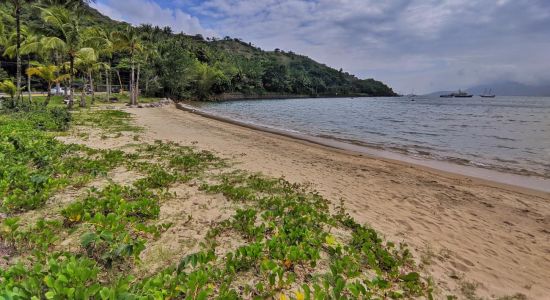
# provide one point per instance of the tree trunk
(92, 87)
(49, 94)
(71, 99)
(57, 84)
(107, 85)
(136, 91)
(18, 48)
(29, 92)
(132, 99)
(119, 81)
(29, 87)
(83, 95)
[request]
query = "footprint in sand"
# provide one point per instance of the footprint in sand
(491, 252)
(460, 267)
(467, 262)
(405, 224)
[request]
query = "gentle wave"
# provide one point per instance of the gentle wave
(507, 134)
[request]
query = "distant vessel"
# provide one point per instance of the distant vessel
(487, 94)
(459, 94)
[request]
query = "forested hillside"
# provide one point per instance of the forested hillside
(164, 63)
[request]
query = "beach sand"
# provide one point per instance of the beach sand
(469, 234)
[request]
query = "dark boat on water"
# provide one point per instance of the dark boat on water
(459, 94)
(487, 94)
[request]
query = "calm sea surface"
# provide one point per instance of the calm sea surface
(508, 134)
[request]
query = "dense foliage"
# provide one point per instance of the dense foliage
(230, 65)
(161, 63)
(290, 244)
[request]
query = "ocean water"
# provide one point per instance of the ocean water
(507, 134)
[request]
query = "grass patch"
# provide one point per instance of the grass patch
(294, 246)
(110, 121)
(35, 165)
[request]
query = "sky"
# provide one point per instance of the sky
(415, 46)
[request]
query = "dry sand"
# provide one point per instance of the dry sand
(466, 232)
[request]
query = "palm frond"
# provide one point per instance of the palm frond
(53, 43)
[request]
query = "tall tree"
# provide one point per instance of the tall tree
(27, 46)
(31, 46)
(17, 9)
(128, 40)
(68, 41)
(149, 51)
(101, 41)
(87, 62)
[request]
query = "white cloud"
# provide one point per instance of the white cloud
(411, 44)
(420, 44)
(147, 11)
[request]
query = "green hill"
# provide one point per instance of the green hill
(191, 67)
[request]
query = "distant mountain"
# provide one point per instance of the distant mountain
(511, 88)
(505, 88)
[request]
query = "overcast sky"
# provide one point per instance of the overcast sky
(413, 45)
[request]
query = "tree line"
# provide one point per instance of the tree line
(55, 43)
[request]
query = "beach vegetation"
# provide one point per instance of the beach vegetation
(74, 232)
(294, 244)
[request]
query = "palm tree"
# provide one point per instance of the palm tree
(86, 62)
(27, 46)
(100, 39)
(69, 39)
(17, 6)
(150, 51)
(48, 73)
(9, 88)
(31, 45)
(128, 40)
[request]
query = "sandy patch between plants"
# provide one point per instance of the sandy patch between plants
(462, 229)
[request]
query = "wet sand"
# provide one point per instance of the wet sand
(462, 229)
(530, 184)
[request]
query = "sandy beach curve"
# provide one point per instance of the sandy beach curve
(468, 233)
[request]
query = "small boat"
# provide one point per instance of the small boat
(487, 94)
(461, 94)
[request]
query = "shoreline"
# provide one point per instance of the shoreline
(536, 186)
(461, 229)
(275, 96)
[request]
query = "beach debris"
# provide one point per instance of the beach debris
(162, 102)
